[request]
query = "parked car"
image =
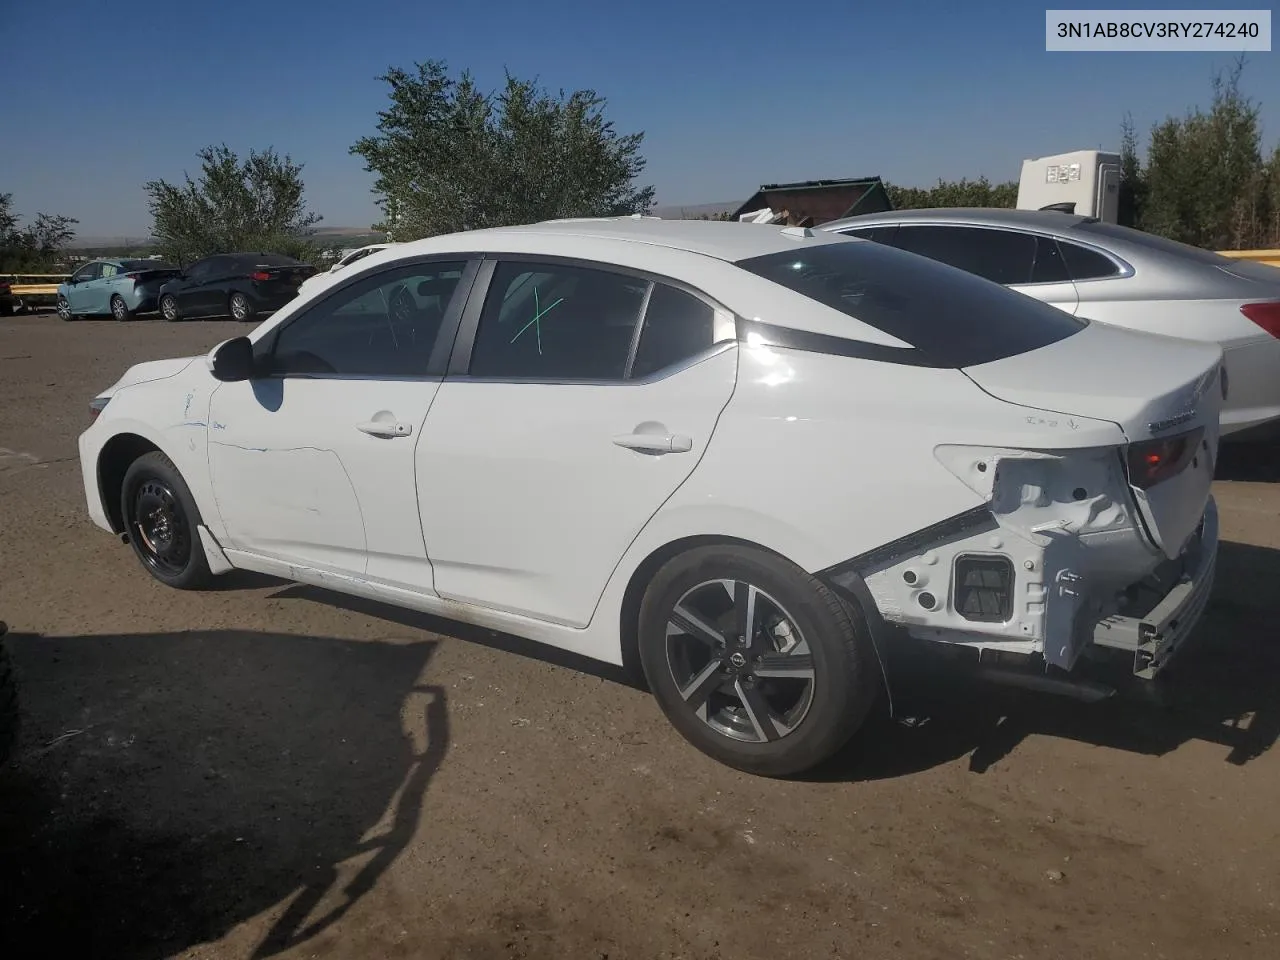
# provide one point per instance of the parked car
(754, 458)
(1116, 275)
(237, 285)
(113, 288)
(350, 257)
(9, 716)
(8, 302)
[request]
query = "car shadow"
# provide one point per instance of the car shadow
(1249, 462)
(167, 788)
(1223, 689)
(629, 674)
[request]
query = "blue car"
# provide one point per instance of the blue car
(115, 288)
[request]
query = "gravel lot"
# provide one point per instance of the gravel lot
(268, 770)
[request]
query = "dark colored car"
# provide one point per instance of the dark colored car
(7, 300)
(237, 285)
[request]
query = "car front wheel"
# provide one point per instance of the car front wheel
(64, 309)
(755, 662)
(161, 519)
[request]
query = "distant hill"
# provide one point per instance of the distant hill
(691, 211)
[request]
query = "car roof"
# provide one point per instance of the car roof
(719, 239)
(1050, 220)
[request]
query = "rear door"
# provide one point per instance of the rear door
(193, 294)
(312, 462)
(579, 398)
(1029, 263)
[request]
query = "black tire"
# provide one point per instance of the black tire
(169, 308)
(844, 674)
(119, 309)
(63, 306)
(239, 307)
(161, 519)
(9, 718)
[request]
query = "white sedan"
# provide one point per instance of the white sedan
(755, 460)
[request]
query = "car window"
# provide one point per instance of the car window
(1003, 256)
(1086, 264)
(201, 269)
(953, 317)
(1049, 266)
(110, 270)
(884, 233)
(677, 325)
(90, 271)
(557, 322)
(385, 325)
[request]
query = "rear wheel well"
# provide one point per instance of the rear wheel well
(113, 462)
(633, 596)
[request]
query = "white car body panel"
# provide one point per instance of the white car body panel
(509, 505)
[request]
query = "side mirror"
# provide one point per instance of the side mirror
(232, 360)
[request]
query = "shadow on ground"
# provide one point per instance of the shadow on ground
(1224, 689)
(169, 787)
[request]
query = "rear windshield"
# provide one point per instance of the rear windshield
(953, 317)
(1101, 231)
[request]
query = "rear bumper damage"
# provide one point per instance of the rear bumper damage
(1163, 610)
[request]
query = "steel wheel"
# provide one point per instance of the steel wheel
(169, 307)
(160, 526)
(240, 309)
(739, 661)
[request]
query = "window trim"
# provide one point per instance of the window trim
(1123, 267)
(441, 350)
(724, 321)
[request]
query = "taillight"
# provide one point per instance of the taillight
(1265, 315)
(260, 276)
(1153, 461)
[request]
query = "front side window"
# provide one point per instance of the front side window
(90, 271)
(952, 317)
(557, 321)
(385, 325)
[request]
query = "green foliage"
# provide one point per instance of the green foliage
(957, 193)
(1206, 180)
(450, 157)
(36, 247)
(254, 204)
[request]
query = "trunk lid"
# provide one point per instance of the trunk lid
(1164, 394)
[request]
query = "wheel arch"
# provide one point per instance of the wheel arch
(113, 462)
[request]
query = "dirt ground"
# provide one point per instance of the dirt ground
(268, 770)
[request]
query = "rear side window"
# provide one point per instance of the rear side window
(881, 234)
(1002, 256)
(954, 318)
(677, 326)
(558, 322)
(1086, 264)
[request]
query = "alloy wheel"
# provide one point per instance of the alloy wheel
(64, 309)
(161, 527)
(239, 306)
(739, 661)
(118, 309)
(169, 308)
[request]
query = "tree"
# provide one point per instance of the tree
(1132, 199)
(450, 157)
(254, 204)
(35, 247)
(960, 193)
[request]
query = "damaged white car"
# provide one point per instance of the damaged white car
(747, 458)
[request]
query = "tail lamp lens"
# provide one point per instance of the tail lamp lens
(260, 276)
(984, 588)
(1153, 461)
(1266, 315)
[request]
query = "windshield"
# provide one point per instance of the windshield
(953, 317)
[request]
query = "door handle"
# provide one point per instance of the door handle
(385, 428)
(655, 443)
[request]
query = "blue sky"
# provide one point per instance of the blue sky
(729, 95)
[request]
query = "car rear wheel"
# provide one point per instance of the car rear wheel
(119, 309)
(161, 519)
(240, 307)
(755, 662)
(169, 307)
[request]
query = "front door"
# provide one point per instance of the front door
(80, 290)
(544, 459)
(312, 462)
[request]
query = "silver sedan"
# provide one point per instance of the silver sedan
(1115, 275)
